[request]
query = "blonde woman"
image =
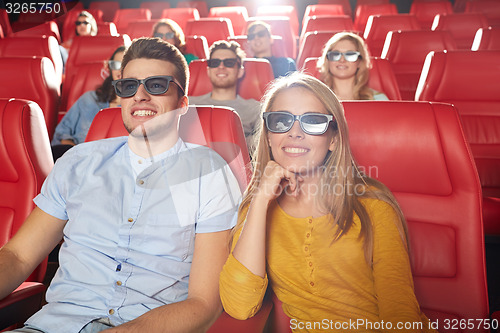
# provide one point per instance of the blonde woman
(330, 241)
(345, 67)
(171, 32)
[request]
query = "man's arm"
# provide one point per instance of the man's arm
(39, 234)
(202, 307)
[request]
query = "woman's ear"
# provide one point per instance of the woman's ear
(333, 143)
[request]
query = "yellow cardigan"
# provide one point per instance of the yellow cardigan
(327, 286)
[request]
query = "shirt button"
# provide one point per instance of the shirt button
(311, 283)
(141, 182)
(310, 221)
(130, 219)
(306, 248)
(310, 264)
(139, 161)
(308, 235)
(118, 283)
(111, 311)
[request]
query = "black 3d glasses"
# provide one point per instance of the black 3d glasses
(154, 85)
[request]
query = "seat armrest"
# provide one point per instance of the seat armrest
(21, 304)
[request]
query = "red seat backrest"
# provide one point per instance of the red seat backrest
(216, 127)
(141, 28)
(26, 162)
(378, 26)
(406, 51)
(68, 30)
(156, 7)
(364, 11)
(469, 80)
(258, 74)
(382, 77)
(33, 79)
(24, 29)
(312, 45)
(198, 46)
(4, 22)
(491, 8)
(462, 26)
(346, 6)
(281, 10)
(426, 11)
(487, 39)
(326, 23)
(237, 14)
(201, 6)
(124, 16)
(38, 46)
(107, 29)
(108, 8)
(181, 16)
(277, 48)
(89, 49)
(436, 184)
(213, 28)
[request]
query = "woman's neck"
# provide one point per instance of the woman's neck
(344, 88)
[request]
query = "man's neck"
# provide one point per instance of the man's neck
(267, 54)
(148, 147)
(223, 94)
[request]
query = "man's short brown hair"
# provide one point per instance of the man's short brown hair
(226, 45)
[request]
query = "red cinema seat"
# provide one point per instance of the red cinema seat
(216, 127)
(281, 10)
(41, 46)
(326, 23)
(27, 160)
(324, 10)
(487, 39)
(490, 8)
(258, 74)
(68, 30)
(156, 7)
(108, 8)
(237, 14)
(280, 26)
(89, 49)
(181, 16)
(364, 11)
(201, 6)
(426, 11)
(107, 29)
(198, 46)
(381, 79)
(33, 79)
(29, 29)
(142, 28)
(462, 26)
(406, 51)
(312, 45)
(435, 182)
(469, 80)
(5, 22)
(346, 6)
(372, 2)
(89, 77)
(277, 48)
(378, 26)
(124, 16)
(214, 29)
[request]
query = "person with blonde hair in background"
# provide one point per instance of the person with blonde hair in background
(171, 32)
(345, 67)
(331, 241)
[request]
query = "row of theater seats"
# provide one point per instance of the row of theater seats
(431, 167)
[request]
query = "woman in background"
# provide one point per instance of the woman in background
(171, 32)
(345, 67)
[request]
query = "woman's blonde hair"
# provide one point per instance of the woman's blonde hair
(361, 89)
(179, 38)
(339, 170)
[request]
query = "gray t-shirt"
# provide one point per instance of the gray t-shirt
(247, 109)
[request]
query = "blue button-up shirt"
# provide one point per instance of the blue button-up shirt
(129, 241)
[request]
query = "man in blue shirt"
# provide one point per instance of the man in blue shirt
(141, 216)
